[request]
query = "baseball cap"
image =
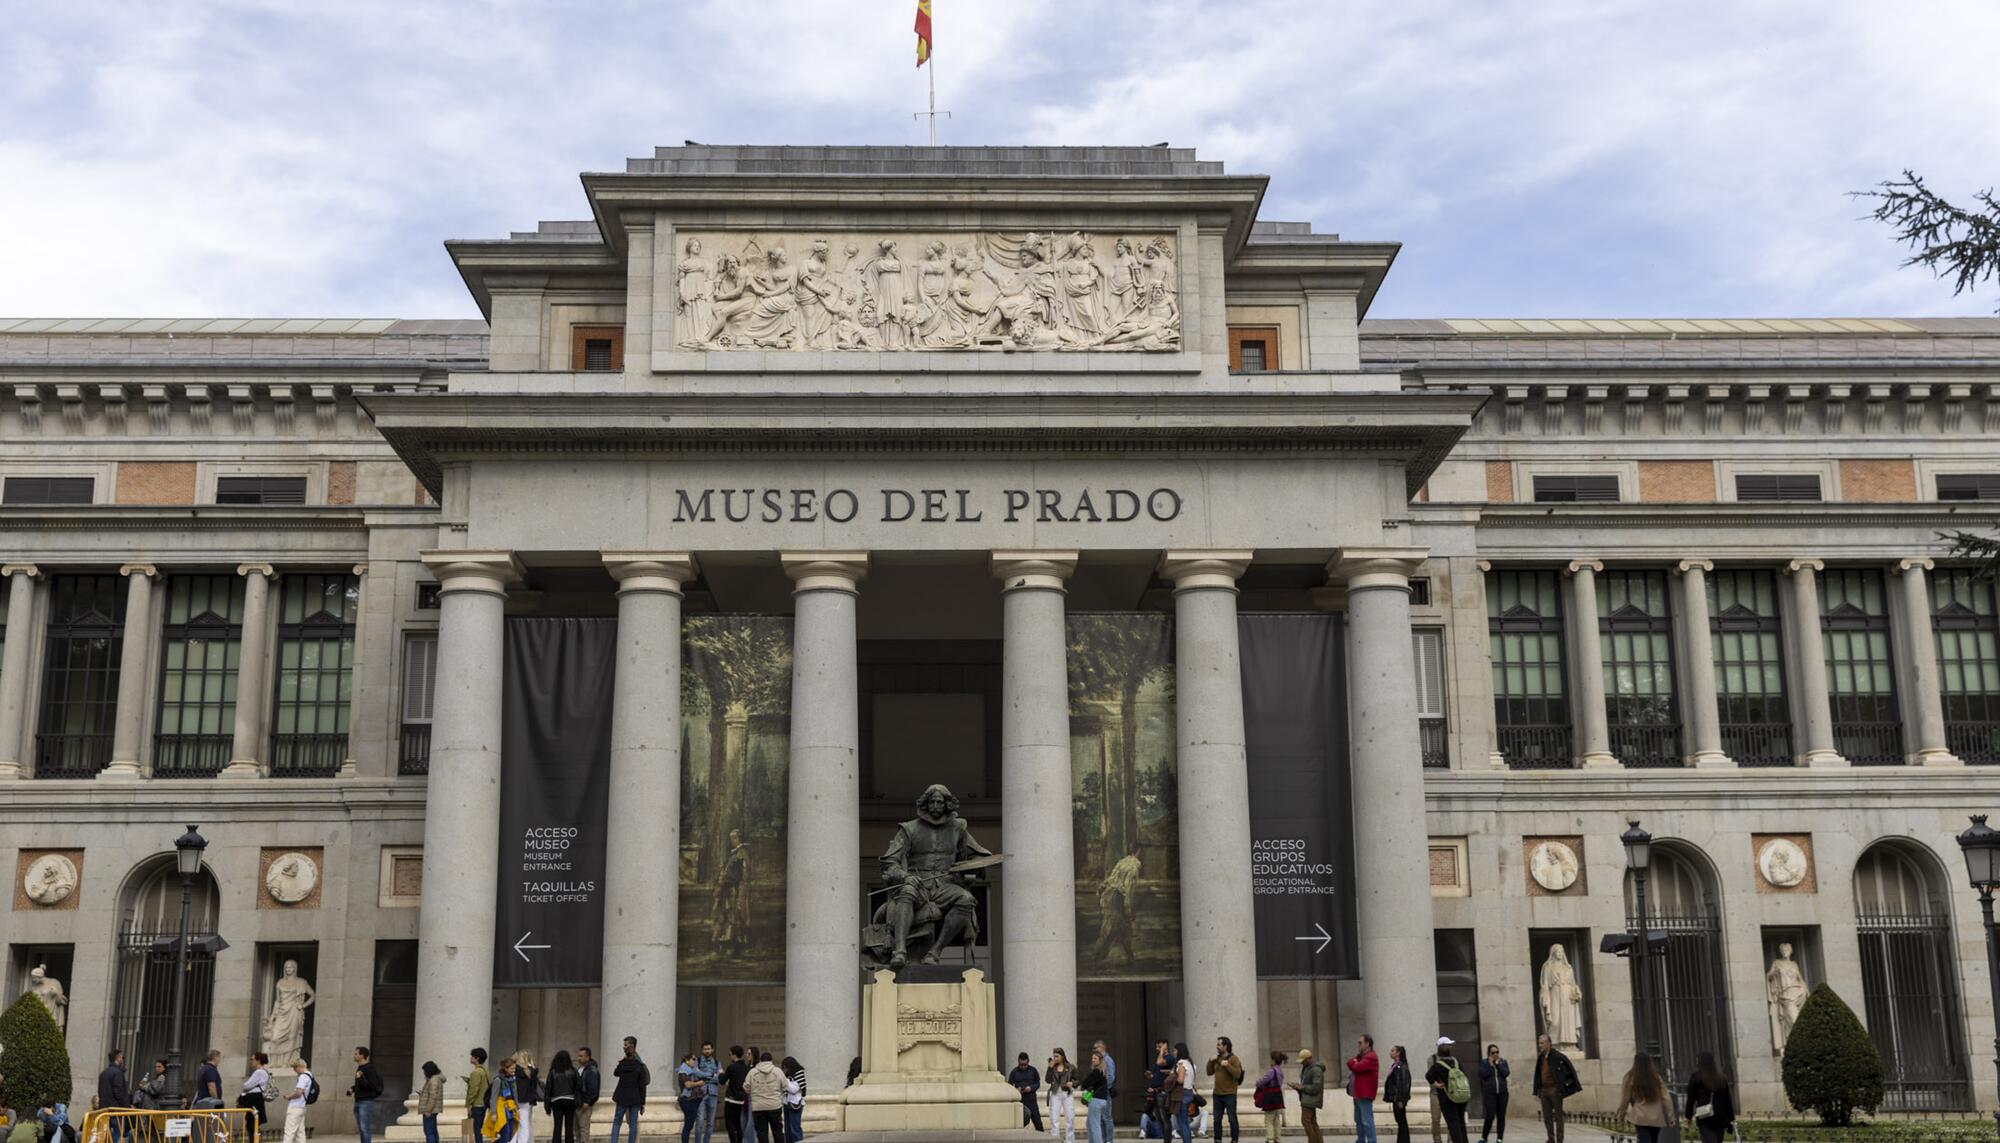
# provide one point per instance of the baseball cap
(1445, 1041)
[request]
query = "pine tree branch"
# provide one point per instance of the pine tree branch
(1950, 241)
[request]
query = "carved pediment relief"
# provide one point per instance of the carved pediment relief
(926, 291)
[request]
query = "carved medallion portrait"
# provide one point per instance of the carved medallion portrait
(291, 877)
(1554, 865)
(1782, 862)
(50, 880)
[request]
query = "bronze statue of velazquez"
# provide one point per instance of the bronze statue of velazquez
(925, 872)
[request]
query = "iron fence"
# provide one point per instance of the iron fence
(1646, 745)
(1758, 743)
(1869, 742)
(1978, 743)
(1908, 982)
(190, 755)
(71, 755)
(307, 755)
(1690, 999)
(414, 755)
(1530, 747)
(1431, 736)
(143, 1001)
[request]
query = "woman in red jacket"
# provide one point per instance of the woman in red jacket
(1363, 1070)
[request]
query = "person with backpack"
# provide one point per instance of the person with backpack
(1269, 1096)
(1311, 1086)
(1453, 1088)
(1228, 1073)
(305, 1092)
(1364, 1071)
(1555, 1081)
(430, 1100)
(255, 1094)
(628, 1098)
(1396, 1090)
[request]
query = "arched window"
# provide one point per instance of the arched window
(1909, 978)
(143, 1000)
(1689, 993)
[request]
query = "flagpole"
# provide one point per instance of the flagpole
(930, 66)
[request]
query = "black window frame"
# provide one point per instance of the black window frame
(30, 491)
(1779, 487)
(201, 754)
(413, 756)
(1756, 725)
(1576, 488)
(1971, 717)
(1968, 486)
(1526, 741)
(87, 613)
(314, 753)
(257, 490)
(1645, 730)
(1867, 726)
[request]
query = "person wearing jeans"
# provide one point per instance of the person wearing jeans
(1228, 1073)
(711, 1071)
(1366, 1069)
(366, 1090)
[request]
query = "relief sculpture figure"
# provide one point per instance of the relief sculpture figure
(694, 295)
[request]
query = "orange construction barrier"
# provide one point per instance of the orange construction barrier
(204, 1125)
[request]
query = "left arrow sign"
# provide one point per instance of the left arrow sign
(521, 946)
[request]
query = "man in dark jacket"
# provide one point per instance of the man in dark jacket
(590, 1086)
(112, 1088)
(735, 1099)
(366, 1090)
(628, 1098)
(1555, 1081)
(1028, 1082)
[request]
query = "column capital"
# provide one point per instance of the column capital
(825, 571)
(265, 570)
(1591, 566)
(1361, 569)
(488, 570)
(1194, 569)
(650, 571)
(1797, 566)
(147, 570)
(29, 570)
(1703, 566)
(1032, 569)
(1914, 564)
(361, 568)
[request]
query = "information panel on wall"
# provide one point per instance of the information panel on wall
(1301, 802)
(555, 762)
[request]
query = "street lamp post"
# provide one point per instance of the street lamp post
(1638, 860)
(1981, 846)
(187, 859)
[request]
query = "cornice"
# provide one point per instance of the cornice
(1485, 791)
(1736, 515)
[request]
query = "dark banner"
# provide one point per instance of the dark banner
(555, 763)
(1124, 772)
(1301, 804)
(736, 751)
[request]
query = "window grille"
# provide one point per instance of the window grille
(315, 675)
(1747, 636)
(48, 490)
(80, 675)
(1688, 987)
(1777, 486)
(1860, 674)
(1524, 623)
(201, 652)
(1427, 649)
(1967, 630)
(1635, 629)
(1566, 489)
(274, 490)
(419, 693)
(1909, 971)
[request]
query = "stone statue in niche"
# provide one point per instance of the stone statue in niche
(1561, 1001)
(285, 1025)
(1785, 987)
(947, 291)
(49, 991)
(925, 873)
(51, 878)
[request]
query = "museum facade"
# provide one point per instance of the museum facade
(558, 677)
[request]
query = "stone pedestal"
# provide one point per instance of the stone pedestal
(928, 1060)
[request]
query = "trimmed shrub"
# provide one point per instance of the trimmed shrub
(32, 1056)
(1831, 1066)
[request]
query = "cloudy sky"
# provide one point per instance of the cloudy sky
(1563, 158)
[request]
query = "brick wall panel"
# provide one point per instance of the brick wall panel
(1893, 481)
(1499, 481)
(155, 482)
(1677, 481)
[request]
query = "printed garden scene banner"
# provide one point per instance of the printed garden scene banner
(736, 726)
(1123, 771)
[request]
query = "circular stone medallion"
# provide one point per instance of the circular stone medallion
(51, 878)
(1553, 865)
(291, 878)
(1782, 862)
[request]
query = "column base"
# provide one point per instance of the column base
(9, 771)
(1714, 760)
(1496, 761)
(1940, 757)
(1602, 761)
(348, 768)
(1826, 760)
(241, 770)
(119, 772)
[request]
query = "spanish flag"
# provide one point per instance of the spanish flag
(923, 32)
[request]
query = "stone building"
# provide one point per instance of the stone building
(921, 404)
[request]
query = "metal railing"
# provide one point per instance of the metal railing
(1758, 743)
(1978, 743)
(1431, 736)
(130, 1125)
(71, 755)
(190, 755)
(1646, 745)
(1536, 747)
(1871, 742)
(307, 755)
(414, 755)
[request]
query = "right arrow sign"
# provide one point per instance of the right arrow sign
(1324, 938)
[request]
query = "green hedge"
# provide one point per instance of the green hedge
(32, 1057)
(1868, 1131)
(1831, 1066)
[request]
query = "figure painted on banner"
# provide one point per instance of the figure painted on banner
(49, 991)
(927, 902)
(729, 908)
(285, 1024)
(1117, 901)
(1561, 1001)
(1155, 326)
(1786, 988)
(695, 307)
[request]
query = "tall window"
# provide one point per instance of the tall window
(1427, 648)
(1689, 987)
(201, 648)
(1748, 638)
(1962, 615)
(80, 675)
(315, 675)
(1524, 624)
(1860, 674)
(419, 693)
(1909, 979)
(1637, 635)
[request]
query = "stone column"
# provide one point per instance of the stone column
(1809, 652)
(1038, 883)
(1589, 674)
(643, 825)
(1926, 701)
(1703, 706)
(350, 764)
(461, 841)
(135, 647)
(1391, 886)
(1218, 918)
(246, 747)
(14, 668)
(823, 844)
